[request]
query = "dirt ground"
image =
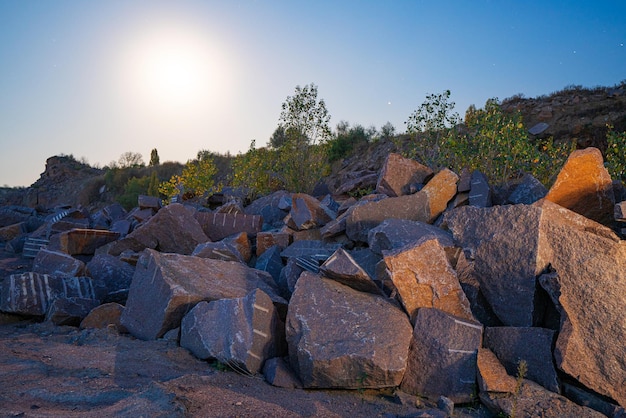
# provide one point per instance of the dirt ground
(54, 371)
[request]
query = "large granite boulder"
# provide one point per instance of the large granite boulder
(442, 357)
(81, 241)
(56, 263)
(218, 226)
(584, 186)
(339, 337)
(501, 242)
(392, 234)
(343, 268)
(424, 278)
(580, 263)
(115, 274)
(307, 212)
(166, 286)
(33, 293)
(241, 332)
(588, 286)
(174, 229)
(398, 173)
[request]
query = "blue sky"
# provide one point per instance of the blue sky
(97, 79)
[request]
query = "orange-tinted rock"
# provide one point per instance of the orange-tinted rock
(492, 376)
(440, 190)
(104, 316)
(7, 233)
(81, 241)
(398, 173)
(425, 279)
(584, 186)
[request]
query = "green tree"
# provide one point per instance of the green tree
(278, 138)
(303, 116)
(387, 131)
(429, 126)
(256, 171)
(154, 158)
(134, 187)
(153, 186)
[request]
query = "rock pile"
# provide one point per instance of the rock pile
(423, 286)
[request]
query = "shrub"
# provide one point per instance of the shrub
(196, 179)
(616, 154)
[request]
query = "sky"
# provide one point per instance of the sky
(96, 79)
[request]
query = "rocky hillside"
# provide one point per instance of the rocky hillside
(571, 114)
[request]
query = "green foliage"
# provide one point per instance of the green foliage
(134, 187)
(616, 154)
(154, 158)
(305, 117)
(497, 143)
(492, 141)
(196, 179)
(387, 131)
(295, 166)
(345, 141)
(429, 127)
(153, 186)
(254, 170)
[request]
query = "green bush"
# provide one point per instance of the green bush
(616, 154)
(196, 179)
(134, 187)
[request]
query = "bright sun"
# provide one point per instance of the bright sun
(173, 69)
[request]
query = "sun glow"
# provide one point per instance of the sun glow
(173, 69)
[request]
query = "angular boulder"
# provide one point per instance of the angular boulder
(502, 243)
(241, 332)
(392, 234)
(172, 230)
(528, 191)
(442, 358)
(343, 268)
(398, 173)
(166, 286)
(425, 206)
(362, 344)
(218, 226)
(584, 186)
(115, 274)
(425, 279)
(307, 212)
(33, 293)
(492, 376)
(588, 288)
(56, 263)
(81, 241)
(480, 192)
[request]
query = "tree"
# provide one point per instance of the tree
(387, 131)
(154, 158)
(304, 117)
(278, 138)
(130, 159)
(428, 127)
